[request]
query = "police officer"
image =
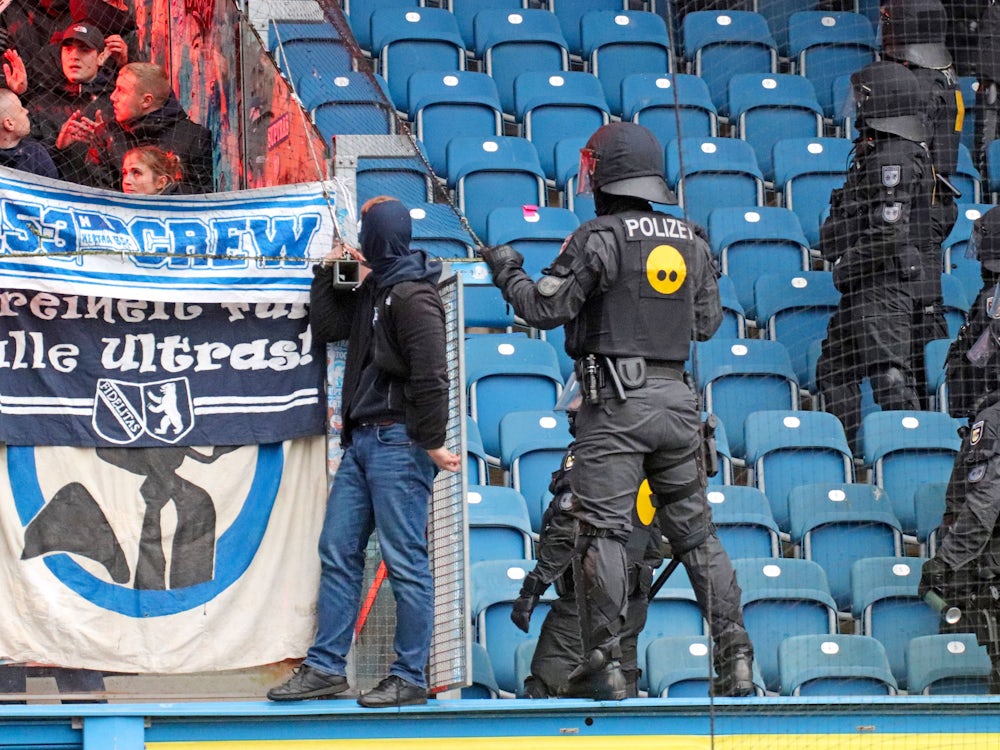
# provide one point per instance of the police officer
(558, 651)
(913, 34)
(871, 239)
(633, 288)
(987, 105)
(971, 365)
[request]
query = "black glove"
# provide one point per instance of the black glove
(524, 605)
(933, 577)
(498, 257)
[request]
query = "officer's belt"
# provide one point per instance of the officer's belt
(664, 368)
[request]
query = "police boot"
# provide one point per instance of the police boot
(733, 667)
(598, 678)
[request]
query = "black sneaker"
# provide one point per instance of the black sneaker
(394, 691)
(308, 682)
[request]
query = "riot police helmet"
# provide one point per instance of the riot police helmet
(888, 98)
(624, 158)
(984, 244)
(914, 31)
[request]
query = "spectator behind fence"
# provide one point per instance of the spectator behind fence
(17, 149)
(149, 170)
(146, 112)
(66, 116)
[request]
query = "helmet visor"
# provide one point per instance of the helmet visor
(585, 174)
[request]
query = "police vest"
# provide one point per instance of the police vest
(946, 113)
(648, 311)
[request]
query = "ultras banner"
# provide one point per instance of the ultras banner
(95, 371)
(244, 246)
(172, 559)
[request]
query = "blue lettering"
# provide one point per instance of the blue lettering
(283, 242)
(28, 228)
(152, 237)
(190, 239)
(233, 243)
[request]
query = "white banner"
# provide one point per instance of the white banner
(244, 246)
(165, 560)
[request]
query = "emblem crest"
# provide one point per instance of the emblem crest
(891, 212)
(976, 433)
(891, 175)
(123, 412)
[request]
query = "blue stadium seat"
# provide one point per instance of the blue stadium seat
(570, 14)
(499, 526)
(567, 164)
(494, 586)
(744, 521)
(438, 229)
(489, 172)
(906, 449)
(669, 105)
(477, 470)
(766, 107)
(513, 42)
(465, 12)
(673, 611)
(954, 247)
(403, 177)
(719, 43)
(836, 524)
(782, 597)
(885, 606)
(348, 104)
(717, 173)
(537, 233)
(734, 317)
(785, 449)
(678, 667)
(835, 664)
(484, 682)
(794, 307)
(805, 171)
(299, 59)
(723, 454)
(406, 41)
(532, 445)
(359, 15)
(967, 178)
(777, 13)
(737, 377)
(947, 664)
(553, 106)
(504, 373)
(955, 303)
(281, 31)
(483, 304)
(617, 43)
(929, 506)
(825, 45)
(993, 170)
(754, 241)
(935, 353)
(446, 105)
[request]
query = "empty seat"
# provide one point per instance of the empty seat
(834, 665)
(570, 14)
(785, 449)
(465, 12)
(678, 667)
(476, 469)
(299, 59)
(504, 373)
(484, 682)
(348, 104)
(744, 522)
(737, 377)
(836, 524)
(993, 169)
(483, 306)
(406, 178)
(885, 606)
(445, 105)
(906, 449)
(719, 43)
(947, 664)
(406, 41)
(712, 173)
(794, 307)
(359, 15)
(781, 598)
(553, 106)
(617, 43)
(825, 45)
(935, 353)
(532, 445)
(966, 177)
(929, 506)
(673, 611)
(766, 107)
(567, 165)
(669, 105)
(514, 42)
(751, 242)
(734, 317)
(499, 527)
(805, 171)
(489, 172)
(439, 230)
(955, 303)
(956, 261)
(536, 232)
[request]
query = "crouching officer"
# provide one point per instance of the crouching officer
(633, 287)
(558, 650)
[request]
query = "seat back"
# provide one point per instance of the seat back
(348, 103)
(406, 178)
(483, 306)
(947, 664)
(438, 230)
(712, 173)
(669, 105)
(299, 59)
(532, 445)
(465, 12)
(805, 171)
(954, 246)
(744, 521)
(536, 232)
(929, 506)
(499, 527)
(570, 14)
(834, 665)
(359, 15)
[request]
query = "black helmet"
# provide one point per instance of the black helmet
(889, 98)
(624, 158)
(984, 243)
(914, 31)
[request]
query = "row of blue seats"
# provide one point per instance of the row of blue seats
(781, 598)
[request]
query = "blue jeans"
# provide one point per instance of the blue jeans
(384, 483)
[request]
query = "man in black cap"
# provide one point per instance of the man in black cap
(965, 569)
(871, 239)
(913, 34)
(633, 287)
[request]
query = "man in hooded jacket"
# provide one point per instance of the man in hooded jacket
(395, 408)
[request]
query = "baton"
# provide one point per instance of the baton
(951, 615)
(664, 575)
